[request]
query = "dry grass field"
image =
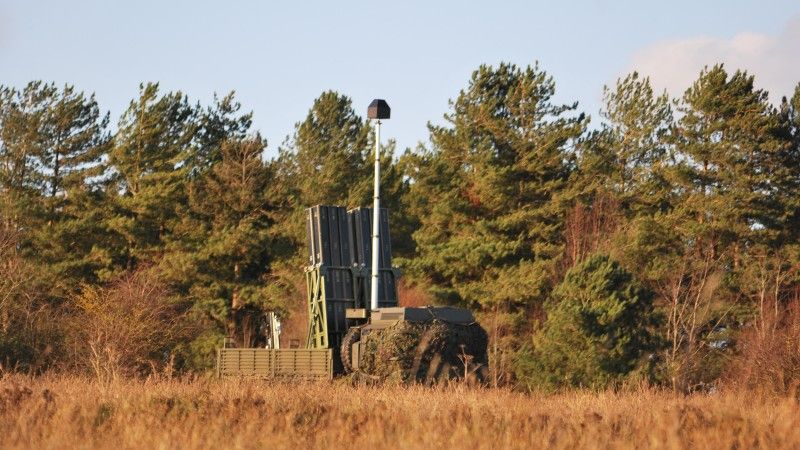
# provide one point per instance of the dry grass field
(72, 412)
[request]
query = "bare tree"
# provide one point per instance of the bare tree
(589, 228)
(769, 278)
(688, 292)
(29, 331)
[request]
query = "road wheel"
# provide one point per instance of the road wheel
(352, 336)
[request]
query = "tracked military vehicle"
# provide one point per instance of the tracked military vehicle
(355, 324)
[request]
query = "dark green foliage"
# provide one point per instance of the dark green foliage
(217, 124)
(147, 170)
(788, 161)
(52, 142)
(630, 152)
(598, 333)
(729, 137)
(328, 155)
(224, 263)
(487, 191)
(328, 160)
(701, 208)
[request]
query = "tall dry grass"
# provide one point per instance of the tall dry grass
(73, 412)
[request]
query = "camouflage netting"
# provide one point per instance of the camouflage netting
(425, 352)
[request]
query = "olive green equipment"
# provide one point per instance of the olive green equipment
(354, 322)
(346, 336)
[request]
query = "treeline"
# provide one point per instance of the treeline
(659, 244)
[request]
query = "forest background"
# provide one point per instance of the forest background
(656, 243)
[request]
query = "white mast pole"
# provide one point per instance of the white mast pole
(376, 215)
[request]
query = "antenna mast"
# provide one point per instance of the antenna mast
(379, 110)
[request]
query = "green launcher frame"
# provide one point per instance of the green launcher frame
(338, 274)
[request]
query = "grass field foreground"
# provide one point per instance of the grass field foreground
(72, 412)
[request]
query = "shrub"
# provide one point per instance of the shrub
(30, 333)
(597, 332)
(127, 328)
(768, 356)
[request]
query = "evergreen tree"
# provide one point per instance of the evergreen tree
(74, 139)
(724, 200)
(148, 170)
(631, 150)
(786, 172)
(322, 162)
(329, 160)
(729, 141)
(53, 139)
(327, 154)
(598, 330)
(22, 179)
(222, 261)
(487, 192)
(217, 124)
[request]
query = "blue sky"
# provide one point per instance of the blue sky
(279, 56)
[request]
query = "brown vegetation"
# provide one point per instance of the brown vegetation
(769, 354)
(71, 412)
(288, 287)
(412, 295)
(587, 229)
(29, 325)
(126, 328)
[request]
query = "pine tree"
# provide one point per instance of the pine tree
(786, 169)
(329, 160)
(631, 150)
(599, 330)
(327, 155)
(148, 170)
(487, 191)
(224, 265)
(724, 201)
(22, 182)
(74, 139)
(217, 124)
(728, 137)
(58, 136)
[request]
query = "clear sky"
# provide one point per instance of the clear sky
(279, 56)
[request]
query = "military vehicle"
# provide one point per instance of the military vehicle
(355, 324)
